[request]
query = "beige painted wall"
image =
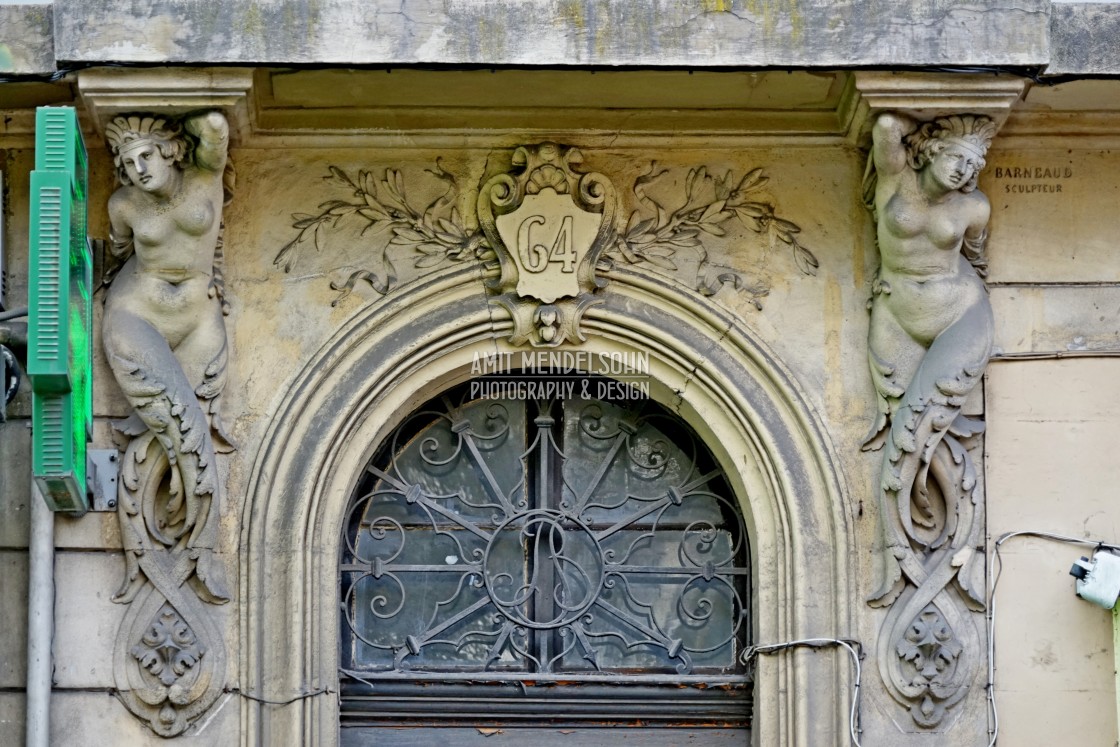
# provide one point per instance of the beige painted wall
(1053, 430)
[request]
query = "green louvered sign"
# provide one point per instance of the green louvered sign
(58, 355)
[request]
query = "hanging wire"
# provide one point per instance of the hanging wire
(854, 649)
(266, 701)
(995, 569)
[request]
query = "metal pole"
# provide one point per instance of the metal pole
(40, 621)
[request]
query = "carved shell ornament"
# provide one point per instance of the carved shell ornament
(545, 230)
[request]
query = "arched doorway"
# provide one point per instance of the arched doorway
(401, 351)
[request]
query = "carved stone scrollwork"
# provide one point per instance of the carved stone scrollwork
(170, 659)
(165, 341)
(930, 338)
(548, 225)
(170, 649)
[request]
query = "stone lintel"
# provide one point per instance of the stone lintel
(107, 92)
(1084, 39)
(26, 40)
(928, 95)
(656, 33)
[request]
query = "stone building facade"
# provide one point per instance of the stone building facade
(782, 225)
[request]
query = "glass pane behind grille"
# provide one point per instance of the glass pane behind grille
(552, 544)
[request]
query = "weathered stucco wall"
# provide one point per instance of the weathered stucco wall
(26, 39)
(1052, 468)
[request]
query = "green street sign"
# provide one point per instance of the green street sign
(60, 311)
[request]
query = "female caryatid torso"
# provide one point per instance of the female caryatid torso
(169, 218)
(925, 281)
(163, 330)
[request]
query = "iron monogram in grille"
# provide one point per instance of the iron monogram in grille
(575, 539)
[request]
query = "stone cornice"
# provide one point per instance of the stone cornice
(108, 92)
(719, 33)
(1054, 38)
(928, 95)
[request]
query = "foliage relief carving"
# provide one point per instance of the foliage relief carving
(655, 235)
(397, 229)
(436, 231)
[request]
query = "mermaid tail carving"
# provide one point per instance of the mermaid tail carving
(923, 424)
(169, 431)
(930, 519)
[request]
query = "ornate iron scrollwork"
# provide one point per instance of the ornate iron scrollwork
(583, 542)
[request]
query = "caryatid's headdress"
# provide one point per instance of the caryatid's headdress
(971, 131)
(127, 132)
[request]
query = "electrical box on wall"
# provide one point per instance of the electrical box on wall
(1098, 580)
(60, 311)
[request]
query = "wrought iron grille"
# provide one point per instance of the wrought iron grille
(579, 544)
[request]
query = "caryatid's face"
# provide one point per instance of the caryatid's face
(955, 165)
(146, 167)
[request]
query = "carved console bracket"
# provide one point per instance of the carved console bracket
(927, 95)
(107, 92)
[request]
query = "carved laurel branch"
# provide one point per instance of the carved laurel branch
(438, 233)
(656, 235)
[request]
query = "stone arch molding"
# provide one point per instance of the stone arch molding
(404, 348)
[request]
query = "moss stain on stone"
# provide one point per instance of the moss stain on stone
(206, 19)
(304, 23)
(715, 6)
(796, 22)
(571, 24)
(42, 15)
(251, 25)
(491, 38)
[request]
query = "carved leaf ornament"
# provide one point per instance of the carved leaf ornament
(655, 235)
(545, 231)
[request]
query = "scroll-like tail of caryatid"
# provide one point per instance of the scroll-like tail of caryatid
(169, 434)
(926, 420)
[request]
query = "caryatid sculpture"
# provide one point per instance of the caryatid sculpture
(930, 339)
(165, 341)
